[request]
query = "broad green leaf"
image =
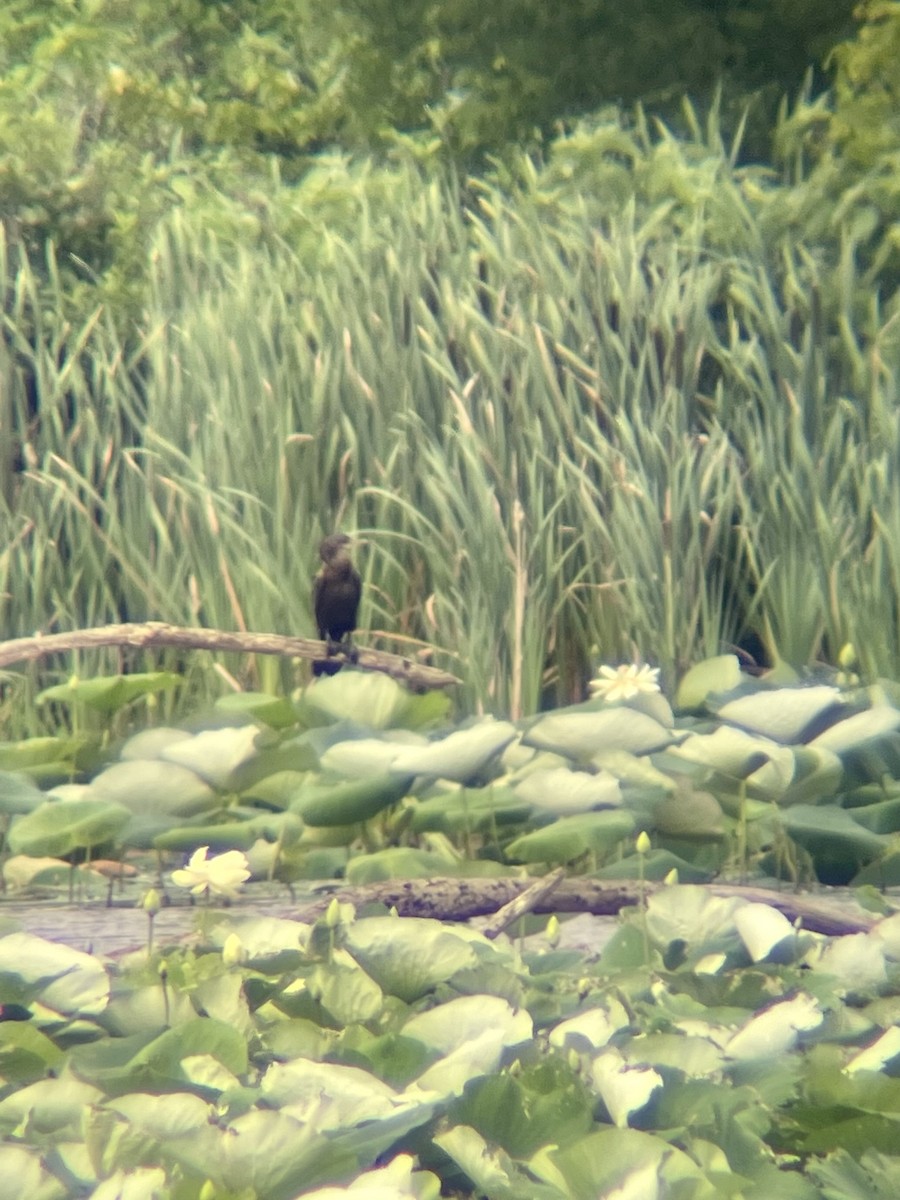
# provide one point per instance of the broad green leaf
(275, 711)
(569, 838)
(24, 1176)
(70, 982)
(562, 791)
(216, 754)
(734, 753)
(469, 809)
(831, 835)
(460, 756)
(363, 757)
(786, 715)
(17, 794)
(162, 787)
(59, 827)
(409, 958)
(403, 862)
(691, 915)
(767, 933)
(712, 676)
(371, 699)
(855, 730)
(775, 1031)
(624, 1089)
(39, 757)
(350, 803)
(107, 694)
(581, 734)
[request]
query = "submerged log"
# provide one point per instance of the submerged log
(462, 899)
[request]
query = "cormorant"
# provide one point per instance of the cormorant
(336, 593)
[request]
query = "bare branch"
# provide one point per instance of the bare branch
(151, 634)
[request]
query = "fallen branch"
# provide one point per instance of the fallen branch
(153, 634)
(461, 899)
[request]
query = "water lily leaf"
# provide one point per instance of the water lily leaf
(656, 864)
(460, 756)
(59, 827)
(691, 915)
(570, 837)
(409, 958)
(18, 794)
(65, 980)
(690, 813)
(468, 810)
(862, 727)
(775, 1030)
(350, 803)
(471, 1033)
(611, 1159)
(403, 862)
(107, 694)
(561, 791)
(275, 711)
(856, 960)
(216, 754)
(330, 1094)
(624, 1089)
(50, 1106)
(358, 758)
(136, 1183)
(786, 715)
(713, 675)
(24, 1176)
(345, 991)
(490, 1169)
(733, 753)
(831, 836)
(884, 1051)
(371, 699)
(164, 788)
(590, 1029)
(580, 734)
(40, 757)
(767, 933)
(149, 743)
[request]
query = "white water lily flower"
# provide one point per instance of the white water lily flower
(624, 1089)
(221, 875)
(621, 683)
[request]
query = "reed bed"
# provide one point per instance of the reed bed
(570, 426)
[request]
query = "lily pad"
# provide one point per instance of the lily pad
(786, 715)
(580, 734)
(570, 837)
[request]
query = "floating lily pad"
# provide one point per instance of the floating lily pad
(786, 715)
(107, 694)
(459, 756)
(570, 837)
(60, 827)
(162, 787)
(708, 678)
(562, 791)
(580, 733)
(350, 803)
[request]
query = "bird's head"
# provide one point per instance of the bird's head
(335, 547)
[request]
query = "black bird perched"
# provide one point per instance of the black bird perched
(336, 593)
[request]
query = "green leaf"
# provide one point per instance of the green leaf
(459, 756)
(562, 791)
(580, 733)
(17, 794)
(163, 788)
(409, 958)
(786, 715)
(350, 803)
(59, 827)
(274, 711)
(570, 837)
(713, 675)
(108, 694)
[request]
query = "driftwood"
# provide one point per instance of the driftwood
(461, 899)
(151, 634)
